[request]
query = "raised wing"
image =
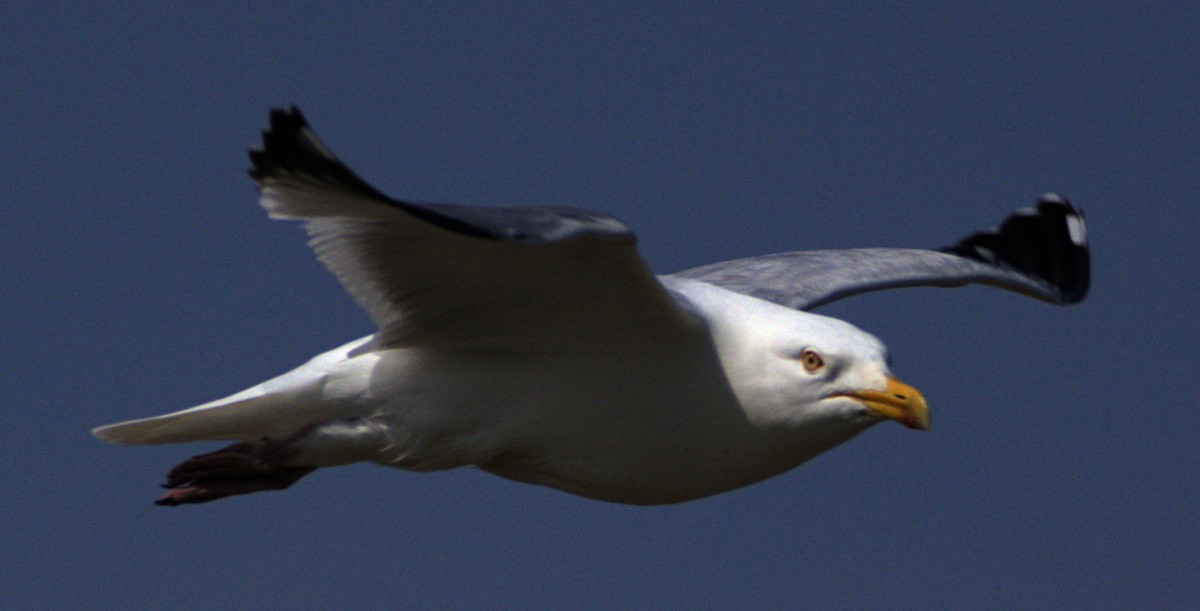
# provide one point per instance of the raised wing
(1041, 252)
(467, 276)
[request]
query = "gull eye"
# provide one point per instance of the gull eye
(812, 361)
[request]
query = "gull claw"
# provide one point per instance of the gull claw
(241, 468)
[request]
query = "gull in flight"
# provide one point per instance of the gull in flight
(536, 344)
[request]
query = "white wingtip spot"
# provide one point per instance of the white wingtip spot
(986, 253)
(1050, 198)
(1077, 230)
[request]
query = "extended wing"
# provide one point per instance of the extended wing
(1041, 252)
(457, 275)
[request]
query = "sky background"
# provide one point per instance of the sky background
(139, 276)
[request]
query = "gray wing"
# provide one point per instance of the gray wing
(1041, 252)
(468, 276)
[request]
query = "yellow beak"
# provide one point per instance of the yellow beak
(900, 402)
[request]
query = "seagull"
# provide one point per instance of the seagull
(536, 344)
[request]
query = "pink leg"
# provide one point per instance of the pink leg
(241, 468)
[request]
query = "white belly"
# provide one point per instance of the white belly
(633, 430)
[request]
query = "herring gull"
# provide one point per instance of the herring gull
(536, 344)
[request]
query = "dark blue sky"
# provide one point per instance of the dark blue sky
(139, 276)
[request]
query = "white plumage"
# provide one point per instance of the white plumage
(536, 344)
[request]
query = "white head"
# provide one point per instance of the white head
(805, 371)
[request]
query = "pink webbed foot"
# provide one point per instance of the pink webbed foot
(241, 468)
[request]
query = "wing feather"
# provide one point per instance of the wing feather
(1041, 252)
(464, 275)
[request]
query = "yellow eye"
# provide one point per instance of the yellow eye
(811, 361)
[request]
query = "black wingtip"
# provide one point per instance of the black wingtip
(1048, 242)
(290, 149)
(281, 141)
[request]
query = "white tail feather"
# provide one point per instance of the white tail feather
(274, 409)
